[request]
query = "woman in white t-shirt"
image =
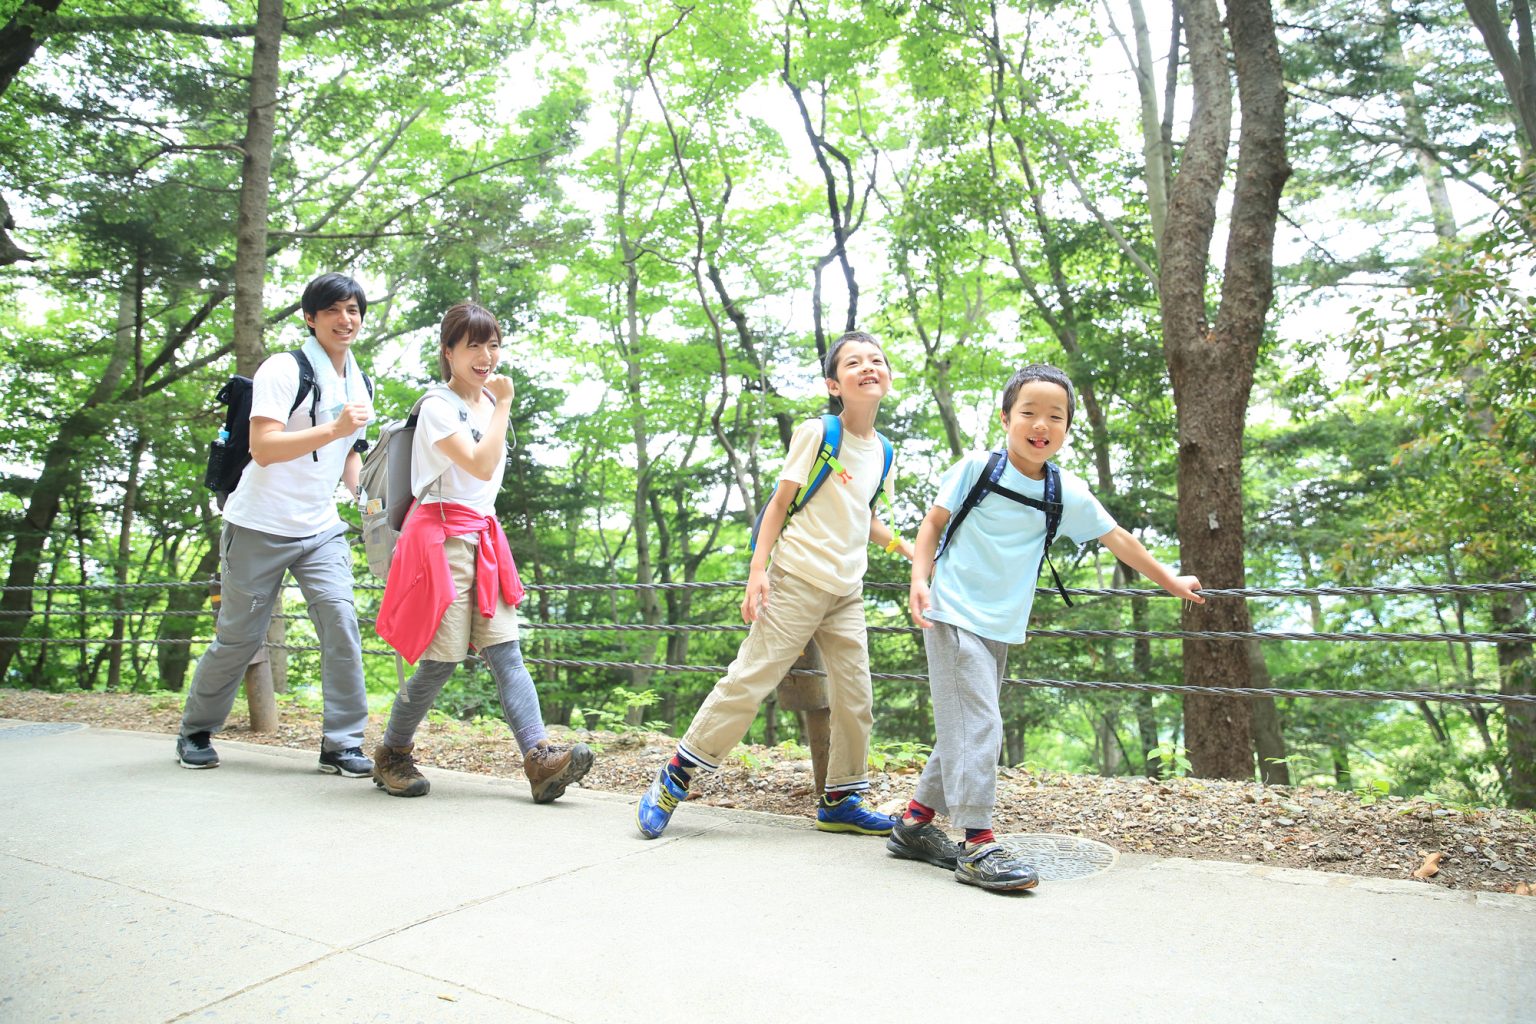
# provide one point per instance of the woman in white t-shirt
(453, 583)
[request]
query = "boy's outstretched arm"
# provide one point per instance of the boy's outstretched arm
(922, 562)
(882, 535)
(767, 537)
(1131, 551)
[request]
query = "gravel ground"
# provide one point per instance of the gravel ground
(1491, 850)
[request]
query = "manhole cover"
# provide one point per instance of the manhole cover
(1058, 858)
(21, 732)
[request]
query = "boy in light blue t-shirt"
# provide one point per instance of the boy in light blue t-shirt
(978, 604)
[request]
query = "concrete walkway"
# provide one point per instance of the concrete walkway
(132, 890)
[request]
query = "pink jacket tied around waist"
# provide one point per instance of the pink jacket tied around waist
(420, 586)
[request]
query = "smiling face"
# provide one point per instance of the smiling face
(473, 360)
(861, 373)
(1036, 426)
(336, 326)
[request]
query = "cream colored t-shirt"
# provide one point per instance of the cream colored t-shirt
(826, 543)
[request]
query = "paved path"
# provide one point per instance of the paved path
(132, 890)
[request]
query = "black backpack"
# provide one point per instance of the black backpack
(231, 452)
(988, 482)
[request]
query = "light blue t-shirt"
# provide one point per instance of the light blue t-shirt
(985, 583)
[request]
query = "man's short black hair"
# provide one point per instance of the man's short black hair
(327, 290)
(1039, 371)
(829, 365)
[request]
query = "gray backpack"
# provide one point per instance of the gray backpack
(386, 482)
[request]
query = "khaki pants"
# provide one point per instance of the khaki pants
(462, 623)
(796, 612)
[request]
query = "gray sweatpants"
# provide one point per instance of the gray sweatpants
(965, 677)
(514, 686)
(252, 564)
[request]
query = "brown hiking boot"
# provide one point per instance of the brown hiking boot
(394, 771)
(551, 767)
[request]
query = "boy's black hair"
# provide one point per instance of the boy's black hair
(829, 365)
(1044, 372)
(327, 290)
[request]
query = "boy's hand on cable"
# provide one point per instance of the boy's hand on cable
(757, 595)
(918, 603)
(501, 387)
(353, 416)
(1185, 587)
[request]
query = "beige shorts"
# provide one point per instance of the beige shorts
(462, 623)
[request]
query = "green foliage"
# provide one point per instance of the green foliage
(898, 754)
(632, 189)
(1173, 759)
(614, 713)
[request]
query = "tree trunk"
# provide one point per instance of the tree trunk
(1268, 737)
(60, 472)
(1153, 148)
(1516, 62)
(630, 342)
(255, 188)
(251, 264)
(1517, 675)
(1212, 367)
(120, 570)
(18, 39)
(172, 659)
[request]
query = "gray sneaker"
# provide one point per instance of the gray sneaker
(923, 841)
(196, 752)
(349, 763)
(990, 866)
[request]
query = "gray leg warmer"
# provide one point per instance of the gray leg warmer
(519, 700)
(414, 701)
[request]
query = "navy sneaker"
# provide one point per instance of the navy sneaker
(850, 815)
(658, 803)
(991, 866)
(196, 752)
(923, 841)
(349, 762)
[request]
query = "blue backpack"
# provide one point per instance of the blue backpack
(987, 483)
(823, 466)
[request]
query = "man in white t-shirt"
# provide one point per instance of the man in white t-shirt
(281, 518)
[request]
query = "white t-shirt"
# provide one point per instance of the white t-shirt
(985, 582)
(826, 543)
(296, 498)
(442, 417)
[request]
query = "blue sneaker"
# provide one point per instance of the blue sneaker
(658, 803)
(850, 815)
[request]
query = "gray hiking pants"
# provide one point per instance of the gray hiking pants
(253, 564)
(965, 677)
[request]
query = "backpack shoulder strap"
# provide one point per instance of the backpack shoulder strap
(889, 451)
(306, 381)
(985, 481)
(821, 465)
(1052, 524)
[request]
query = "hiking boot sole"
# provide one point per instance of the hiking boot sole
(416, 787)
(850, 829)
(553, 787)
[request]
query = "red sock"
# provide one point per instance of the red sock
(978, 836)
(917, 814)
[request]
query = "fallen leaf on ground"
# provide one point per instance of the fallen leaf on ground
(1521, 889)
(1429, 868)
